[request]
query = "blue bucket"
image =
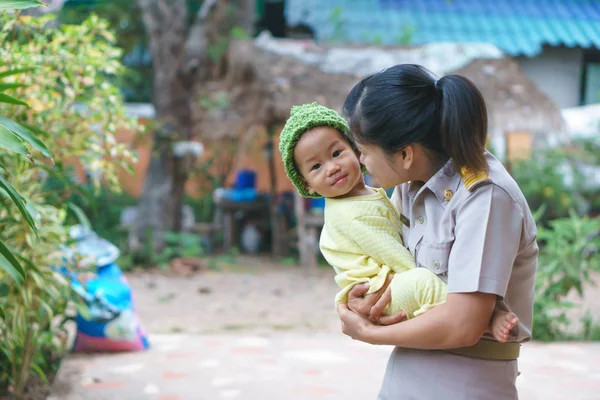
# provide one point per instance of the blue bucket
(245, 179)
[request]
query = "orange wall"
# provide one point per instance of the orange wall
(250, 156)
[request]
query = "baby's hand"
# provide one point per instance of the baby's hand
(373, 305)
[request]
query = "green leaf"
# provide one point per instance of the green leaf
(39, 371)
(83, 219)
(17, 199)
(31, 267)
(11, 142)
(25, 135)
(16, 71)
(19, 4)
(2, 314)
(58, 175)
(10, 265)
(4, 98)
(83, 310)
(8, 86)
(36, 130)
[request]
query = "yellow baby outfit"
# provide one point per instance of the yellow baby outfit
(361, 240)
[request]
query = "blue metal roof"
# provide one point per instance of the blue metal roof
(517, 27)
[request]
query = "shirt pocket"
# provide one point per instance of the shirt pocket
(434, 257)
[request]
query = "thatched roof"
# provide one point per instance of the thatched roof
(262, 79)
(514, 101)
(259, 88)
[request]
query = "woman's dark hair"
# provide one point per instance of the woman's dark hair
(404, 104)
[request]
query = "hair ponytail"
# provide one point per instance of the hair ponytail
(463, 122)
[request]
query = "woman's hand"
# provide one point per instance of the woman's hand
(372, 305)
(355, 326)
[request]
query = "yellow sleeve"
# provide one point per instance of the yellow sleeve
(381, 244)
(379, 238)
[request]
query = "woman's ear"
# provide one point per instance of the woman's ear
(408, 156)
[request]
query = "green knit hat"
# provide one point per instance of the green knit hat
(304, 118)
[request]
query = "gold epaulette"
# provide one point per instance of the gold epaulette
(474, 179)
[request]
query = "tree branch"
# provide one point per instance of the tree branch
(197, 43)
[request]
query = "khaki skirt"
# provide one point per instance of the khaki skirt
(435, 375)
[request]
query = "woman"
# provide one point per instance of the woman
(464, 218)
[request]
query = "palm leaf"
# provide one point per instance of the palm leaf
(18, 200)
(16, 71)
(83, 219)
(19, 4)
(4, 98)
(9, 264)
(26, 135)
(7, 86)
(10, 142)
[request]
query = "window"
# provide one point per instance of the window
(590, 83)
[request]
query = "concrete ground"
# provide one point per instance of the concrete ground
(259, 330)
(292, 367)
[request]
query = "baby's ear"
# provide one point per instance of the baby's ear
(307, 186)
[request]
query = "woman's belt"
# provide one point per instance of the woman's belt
(490, 350)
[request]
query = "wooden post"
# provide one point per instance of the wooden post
(307, 253)
(276, 234)
(229, 230)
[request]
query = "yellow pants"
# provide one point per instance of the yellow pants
(416, 291)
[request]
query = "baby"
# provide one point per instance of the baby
(361, 237)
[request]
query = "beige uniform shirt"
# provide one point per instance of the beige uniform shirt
(477, 239)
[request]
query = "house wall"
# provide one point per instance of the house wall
(249, 156)
(557, 72)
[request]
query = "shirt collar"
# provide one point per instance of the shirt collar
(447, 178)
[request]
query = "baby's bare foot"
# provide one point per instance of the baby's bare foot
(502, 323)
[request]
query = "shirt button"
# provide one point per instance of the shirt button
(420, 220)
(436, 265)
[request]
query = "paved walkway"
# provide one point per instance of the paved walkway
(292, 367)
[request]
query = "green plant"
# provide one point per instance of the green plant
(336, 20)
(21, 349)
(125, 19)
(587, 153)
(19, 4)
(218, 49)
(215, 101)
(406, 35)
(543, 180)
(570, 249)
(591, 328)
(204, 207)
(226, 259)
(102, 206)
(180, 245)
(71, 104)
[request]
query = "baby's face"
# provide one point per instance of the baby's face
(327, 162)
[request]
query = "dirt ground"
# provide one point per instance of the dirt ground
(255, 295)
(258, 295)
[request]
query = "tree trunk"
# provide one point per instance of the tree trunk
(180, 64)
(166, 24)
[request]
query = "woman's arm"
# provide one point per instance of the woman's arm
(487, 237)
(459, 322)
